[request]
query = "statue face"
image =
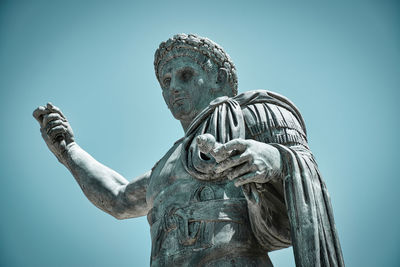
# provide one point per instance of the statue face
(187, 87)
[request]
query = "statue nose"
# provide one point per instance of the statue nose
(176, 89)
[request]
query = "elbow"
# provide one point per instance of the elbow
(125, 213)
(122, 209)
(119, 216)
(119, 212)
(118, 207)
(113, 211)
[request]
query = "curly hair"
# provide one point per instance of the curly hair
(204, 48)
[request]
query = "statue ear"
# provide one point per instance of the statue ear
(222, 77)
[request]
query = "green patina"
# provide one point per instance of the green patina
(242, 181)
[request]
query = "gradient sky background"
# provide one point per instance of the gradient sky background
(339, 62)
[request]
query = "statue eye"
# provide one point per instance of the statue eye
(186, 75)
(167, 82)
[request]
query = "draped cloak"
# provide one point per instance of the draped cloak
(293, 209)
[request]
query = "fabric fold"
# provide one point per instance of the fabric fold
(295, 210)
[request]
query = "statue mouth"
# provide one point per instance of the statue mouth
(179, 101)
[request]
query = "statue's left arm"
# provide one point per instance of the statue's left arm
(287, 198)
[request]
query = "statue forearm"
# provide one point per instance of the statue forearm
(104, 187)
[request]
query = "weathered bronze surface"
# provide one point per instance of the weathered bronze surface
(240, 183)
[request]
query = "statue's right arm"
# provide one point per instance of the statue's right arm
(104, 187)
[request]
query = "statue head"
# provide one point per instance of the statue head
(192, 71)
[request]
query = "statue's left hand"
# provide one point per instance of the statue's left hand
(245, 161)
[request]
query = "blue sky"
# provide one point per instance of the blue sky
(339, 62)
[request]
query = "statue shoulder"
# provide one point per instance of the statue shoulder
(272, 118)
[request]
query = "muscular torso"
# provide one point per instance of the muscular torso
(169, 178)
(198, 223)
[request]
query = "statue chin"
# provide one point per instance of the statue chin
(183, 112)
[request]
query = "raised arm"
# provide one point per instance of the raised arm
(104, 187)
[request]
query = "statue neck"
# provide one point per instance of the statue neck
(215, 96)
(185, 125)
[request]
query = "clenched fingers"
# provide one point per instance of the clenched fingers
(56, 131)
(39, 113)
(224, 151)
(53, 124)
(240, 170)
(55, 109)
(232, 162)
(52, 117)
(248, 178)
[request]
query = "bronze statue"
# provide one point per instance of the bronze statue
(240, 183)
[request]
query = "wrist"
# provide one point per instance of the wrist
(66, 154)
(276, 160)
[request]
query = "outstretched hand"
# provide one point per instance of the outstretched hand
(244, 161)
(55, 128)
